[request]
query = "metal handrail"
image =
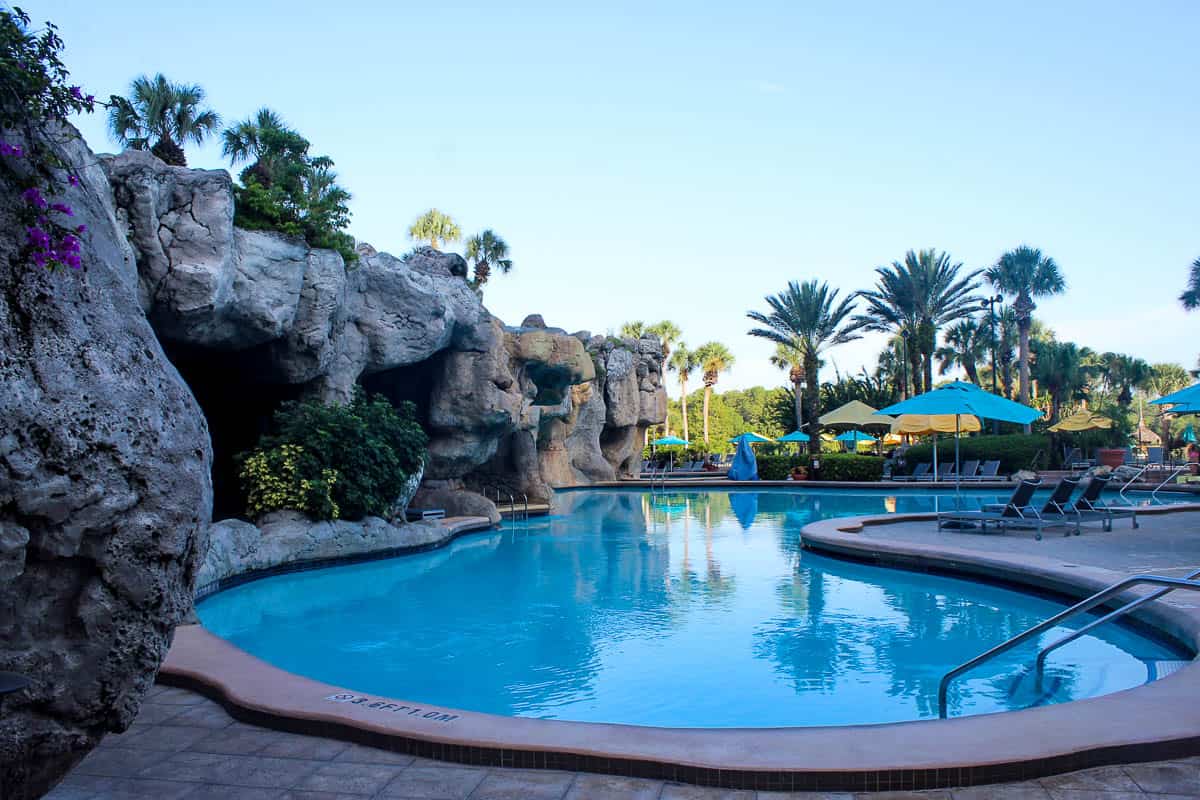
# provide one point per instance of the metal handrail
(1110, 616)
(1168, 479)
(1098, 598)
(526, 499)
(1137, 476)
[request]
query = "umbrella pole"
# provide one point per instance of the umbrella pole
(935, 464)
(957, 471)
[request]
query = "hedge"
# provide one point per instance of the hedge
(1015, 451)
(834, 467)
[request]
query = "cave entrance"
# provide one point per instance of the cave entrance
(412, 383)
(238, 406)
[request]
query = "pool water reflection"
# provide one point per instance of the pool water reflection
(690, 608)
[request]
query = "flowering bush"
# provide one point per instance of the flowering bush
(34, 95)
(333, 461)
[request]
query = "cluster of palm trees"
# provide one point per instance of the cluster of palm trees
(710, 359)
(915, 299)
(485, 250)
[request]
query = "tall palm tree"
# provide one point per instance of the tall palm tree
(1191, 295)
(685, 363)
(915, 298)
(1123, 374)
(790, 357)
(436, 228)
(161, 116)
(1025, 273)
(714, 358)
(486, 250)
(966, 346)
(633, 329)
(1006, 347)
(809, 317)
(1062, 371)
(668, 333)
(267, 142)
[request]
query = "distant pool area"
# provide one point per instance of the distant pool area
(683, 608)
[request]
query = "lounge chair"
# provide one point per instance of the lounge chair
(945, 469)
(1059, 506)
(419, 514)
(1015, 513)
(918, 474)
(1091, 504)
(989, 471)
(967, 471)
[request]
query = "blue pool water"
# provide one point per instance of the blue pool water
(690, 608)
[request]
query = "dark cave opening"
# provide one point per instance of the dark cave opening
(238, 405)
(412, 383)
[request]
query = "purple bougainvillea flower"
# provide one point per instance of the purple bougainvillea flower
(76, 92)
(33, 197)
(81, 229)
(62, 208)
(73, 180)
(7, 149)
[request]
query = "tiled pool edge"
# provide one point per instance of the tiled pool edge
(902, 756)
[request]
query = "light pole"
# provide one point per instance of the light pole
(990, 304)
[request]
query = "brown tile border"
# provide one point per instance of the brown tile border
(1010, 746)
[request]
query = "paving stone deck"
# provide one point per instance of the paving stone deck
(185, 746)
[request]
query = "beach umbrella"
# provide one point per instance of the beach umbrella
(1189, 397)
(960, 398)
(855, 414)
(794, 436)
(852, 438)
(925, 424)
(749, 438)
(668, 440)
(1082, 420)
(1189, 435)
(744, 466)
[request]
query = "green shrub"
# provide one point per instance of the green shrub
(834, 467)
(334, 461)
(1015, 451)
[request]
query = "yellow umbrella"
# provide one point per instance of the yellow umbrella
(855, 414)
(1083, 420)
(924, 424)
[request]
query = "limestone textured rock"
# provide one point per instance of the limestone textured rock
(288, 537)
(104, 479)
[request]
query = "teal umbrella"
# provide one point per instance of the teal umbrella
(1189, 435)
(749, 438)
(960, 398)
(794, 436)
(1189, 397)
(668, 440)
(855, 436)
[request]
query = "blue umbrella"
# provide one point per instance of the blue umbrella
(1189, 434)
(794, 436)
(855, 436)
(668, 440)
(744, 467)
(960, 398)
(1189, 397)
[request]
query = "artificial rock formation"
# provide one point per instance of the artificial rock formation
(523, 408)
(104, 491)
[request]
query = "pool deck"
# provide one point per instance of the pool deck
(1158, 721)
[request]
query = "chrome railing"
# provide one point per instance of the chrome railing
(1099, 598)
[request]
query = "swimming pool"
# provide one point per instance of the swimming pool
(691, 608)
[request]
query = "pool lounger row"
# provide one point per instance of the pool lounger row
(1058, 510)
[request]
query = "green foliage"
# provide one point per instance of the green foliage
(764, 411)
(285, 189)
(436, 228)
(834, 466)
(487, 250)
(335, 460)
(1015, 451)
(1191, 295)
(161, 116)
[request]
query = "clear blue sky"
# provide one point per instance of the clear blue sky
(682, 162)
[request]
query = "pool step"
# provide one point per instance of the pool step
(535, 509)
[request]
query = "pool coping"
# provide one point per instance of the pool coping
(923, 754)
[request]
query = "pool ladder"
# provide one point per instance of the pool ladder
(1166, 585)
(1154, 493)
(512, 507)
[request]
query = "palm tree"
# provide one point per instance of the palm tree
(1062, 371)
(791, 358)
(435, 227)
(809, 317)
(915, 298)
(169, 114)
(633, 330)
(486, 250)
(1006, 345)
(267, 142)
(966, 346)
(1123, 374)
(668, 333)
(713, 358)
(685, 363)
(1191, 295)
(1024, 273)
